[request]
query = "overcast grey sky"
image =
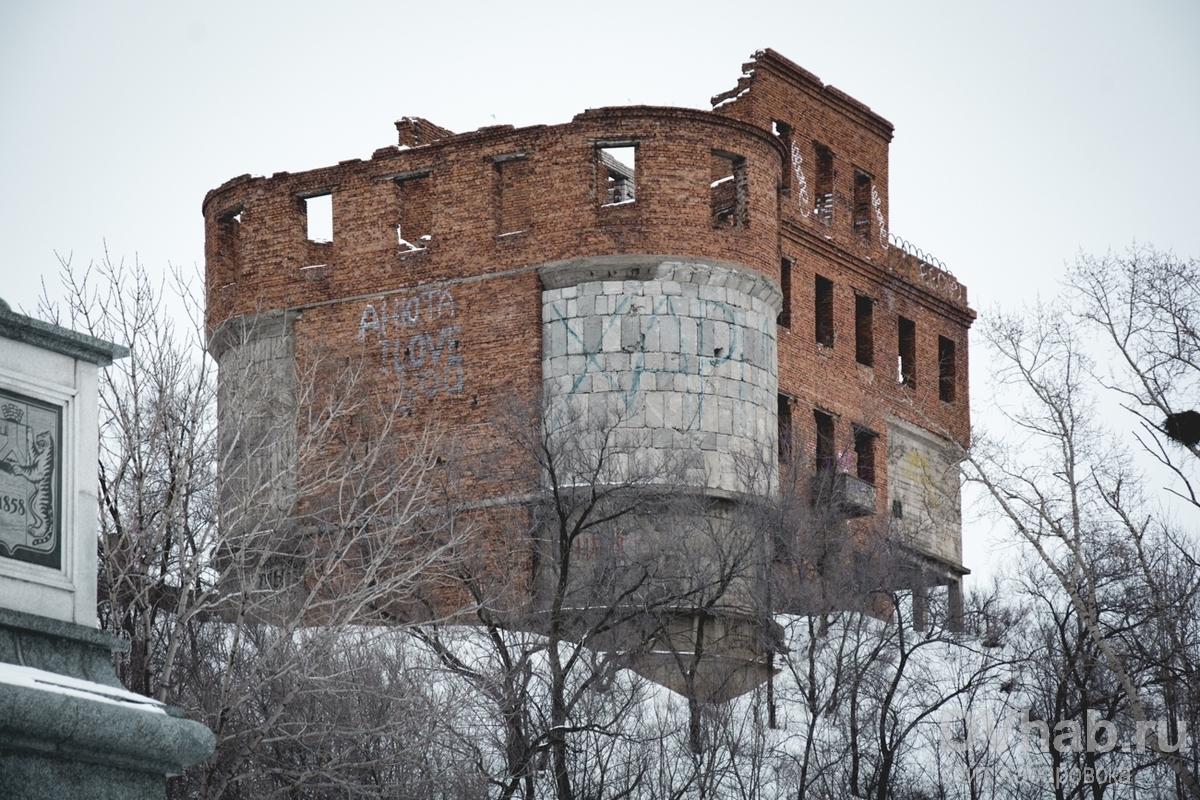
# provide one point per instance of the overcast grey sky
(1025, 130)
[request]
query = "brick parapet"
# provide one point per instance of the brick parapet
(258, 253)
(449, 251)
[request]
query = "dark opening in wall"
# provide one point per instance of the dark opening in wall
(823, 187)
(231, 215)
(862, 203)
(415, 223)
(785, 429)
(906, 360)
(229, 240)
(947, 370)
(785, 284)
(616, 172)
(864, 453)
(515, 193)
(728, 188)
(824, 311)
(826, 457)
(318, 212)
(864, 330)
(784, 132)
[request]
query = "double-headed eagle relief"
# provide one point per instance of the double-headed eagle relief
(30, 468)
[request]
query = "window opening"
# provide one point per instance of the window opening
(728, 187)
(946, 369)
(864, 330)
(617, 172)
(784, 416)
(514, 179)
(826, 458)
(862, 203)
(823, 188)
(824, 308)
(231, 215)
(784, 132)
(785, 284)
(413, 228)
(898, 509)
(864, 453)
(318, 211)
(906, 360)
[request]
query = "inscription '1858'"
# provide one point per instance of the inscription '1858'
(418, 340)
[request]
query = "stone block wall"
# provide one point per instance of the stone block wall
(684, 359)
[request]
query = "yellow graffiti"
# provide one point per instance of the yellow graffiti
(918, 471)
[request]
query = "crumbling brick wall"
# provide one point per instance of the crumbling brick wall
(451, 253)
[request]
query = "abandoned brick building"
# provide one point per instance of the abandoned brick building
(725, 277)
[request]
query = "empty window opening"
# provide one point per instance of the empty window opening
(946, 369)
(785, 284)
(862, 203)
(728, 187)
(785, 429)
(864, 330)
(617, 169)
(906, 360)
(864, 453)
(898, 509)
(826, 457)
(318, 211)
(824, 309)
(515, 188)
(784, 132)
(413, 228)
(823, 189)
(229, 237)
(232, 215)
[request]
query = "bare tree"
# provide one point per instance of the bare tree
(632, 571)
(257, 566)
(1070, 491)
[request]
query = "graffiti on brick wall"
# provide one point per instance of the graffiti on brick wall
(419, 342)
(802, 196)
(877, 205)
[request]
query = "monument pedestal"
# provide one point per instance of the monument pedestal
(68, 729)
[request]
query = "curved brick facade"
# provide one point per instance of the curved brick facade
(722, 283)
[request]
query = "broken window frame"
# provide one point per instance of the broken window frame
(823, 308)
(825, 450)
(728, 192)
(504, 214)
(864, 453)
(784, 425)
(947, 370)
(307, 207)
(398, 180)
(861, 216)
(906, 356)
(784, 132)
(864, 330)
(784, 320)
(823, 184)
(616, 181)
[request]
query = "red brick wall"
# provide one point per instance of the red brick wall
(465, 190)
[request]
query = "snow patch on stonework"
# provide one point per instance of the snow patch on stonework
(32, 678)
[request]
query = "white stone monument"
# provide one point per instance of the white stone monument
(67, 727)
